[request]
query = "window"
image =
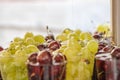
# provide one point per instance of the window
(18, 17)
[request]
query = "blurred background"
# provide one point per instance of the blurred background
(20, 16)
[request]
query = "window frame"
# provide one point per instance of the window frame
(115, 18)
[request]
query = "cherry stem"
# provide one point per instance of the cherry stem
(48, 30)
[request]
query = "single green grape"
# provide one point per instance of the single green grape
(17, 39)
(29, 41)
(103, 28)
(31, 49)
(85, 53)
(73, 35)
(67, 31)
(28, 35)
(61, 37)
(71, 54)
(92, 46)
(85, 36)
(39, 38)
(78, 31)
(72, 42)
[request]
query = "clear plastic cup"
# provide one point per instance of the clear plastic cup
(104, 66)
(13, 68)
(38, 71)
(116, 68)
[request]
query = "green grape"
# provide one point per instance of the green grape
(19, 47)
(39, 38)
(61, 37)
(13, 44)
(74, 44)
(9, 69)
(67, 31)
(71, 54)
(77, 31)
(62, 48)
(17, 39)
(85, 53)
(103, 28)
(72, 71)
(82, 43)
(73, 35)
(85, 36)
(29, 41)
(86, 75)
(69, 71)
(5, 57)
(31, 49)
(20, 58)
(10, 76)
(28, 35)
(92, 46)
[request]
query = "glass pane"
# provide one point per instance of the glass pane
(18, 17)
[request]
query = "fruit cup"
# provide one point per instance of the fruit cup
(54, 71)
(104, 66)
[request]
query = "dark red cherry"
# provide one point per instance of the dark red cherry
(44, 57)
(116, 52)
(54, 45)
(108, 48)
(97, 36)
(101, 46)
(41, 47)
(33, 57)
(49, 37)
(1, 48)
(59, 58)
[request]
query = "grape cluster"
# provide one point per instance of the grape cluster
(12, 59)
(80, 49)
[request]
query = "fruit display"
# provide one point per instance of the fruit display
(80, 49)
(68, 56)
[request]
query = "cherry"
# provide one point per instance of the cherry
(59, 58)
(41, 47)
(108, 48)
(101, 45)
(1, 48)
(54, 45)
(116, 52)
(49, 37)
(97, 36)
(44, 57)
(33, 57)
